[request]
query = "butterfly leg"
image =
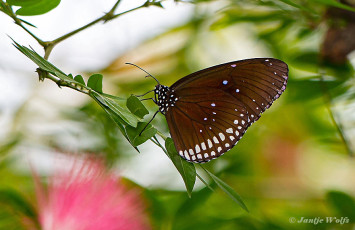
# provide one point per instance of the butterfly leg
(144, 94)
(149, 122)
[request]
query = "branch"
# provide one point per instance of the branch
(49, 45)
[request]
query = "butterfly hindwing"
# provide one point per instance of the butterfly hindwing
(205, 123)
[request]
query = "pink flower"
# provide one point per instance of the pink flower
(89, 198)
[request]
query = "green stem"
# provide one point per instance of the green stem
(161, 135)
(49, 45)
(107, 17)
(337, 125)
(18, 22)
(62, 83)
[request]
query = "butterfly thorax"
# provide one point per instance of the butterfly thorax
(164, 98)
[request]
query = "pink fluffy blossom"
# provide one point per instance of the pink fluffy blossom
(89, 198)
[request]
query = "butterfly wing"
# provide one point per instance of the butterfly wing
(216, 105)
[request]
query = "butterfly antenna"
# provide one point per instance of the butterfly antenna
(144, 71)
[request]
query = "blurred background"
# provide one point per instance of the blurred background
(296, 161)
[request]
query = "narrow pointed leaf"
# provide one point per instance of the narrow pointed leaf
(112, 97)
(136, 107)
(117, 119)
(228, 190)
(186, 169)
(42, 63)
(335, 3)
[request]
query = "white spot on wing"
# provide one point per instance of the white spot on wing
(206, 155)
(181, 153)
(237, 133)
(219, 149)
(203, 146)
(187, 155)
(197, 148)
(236, 122)
(199, 156)
(213, 104)
(230, 130)
(233, 65)
(213, 153)
(231, 137)
(222, 136)
(225, 82)
(191, 151)
(227, 145)
(209, 143)
(215, 140)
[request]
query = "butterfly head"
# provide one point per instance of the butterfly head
(164, 98)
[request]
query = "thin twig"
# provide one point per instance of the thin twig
(338, 126)
(49, 45)
(18, 22)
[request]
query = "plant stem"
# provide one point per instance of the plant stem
(18, 22)
(49, 45)
(107, 17)
(161, 135)
(337, 125)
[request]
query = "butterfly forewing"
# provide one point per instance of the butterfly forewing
(205, 129)
(215, 106)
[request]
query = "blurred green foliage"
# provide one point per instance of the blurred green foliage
(289, 164)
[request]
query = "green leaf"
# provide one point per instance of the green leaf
(136, 107)
(126, 117)
(33, 7)
(335, 4)
(17, 202)
(342, 203)
(123, 113)
(95, 82)
(43, 64)
(133, 133)
(186, 169)
(112, 97)
(309, 89)
(114, 116)
(292, 3)
(228, 190)
(79, 79)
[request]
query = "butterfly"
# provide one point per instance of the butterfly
(209, 111)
